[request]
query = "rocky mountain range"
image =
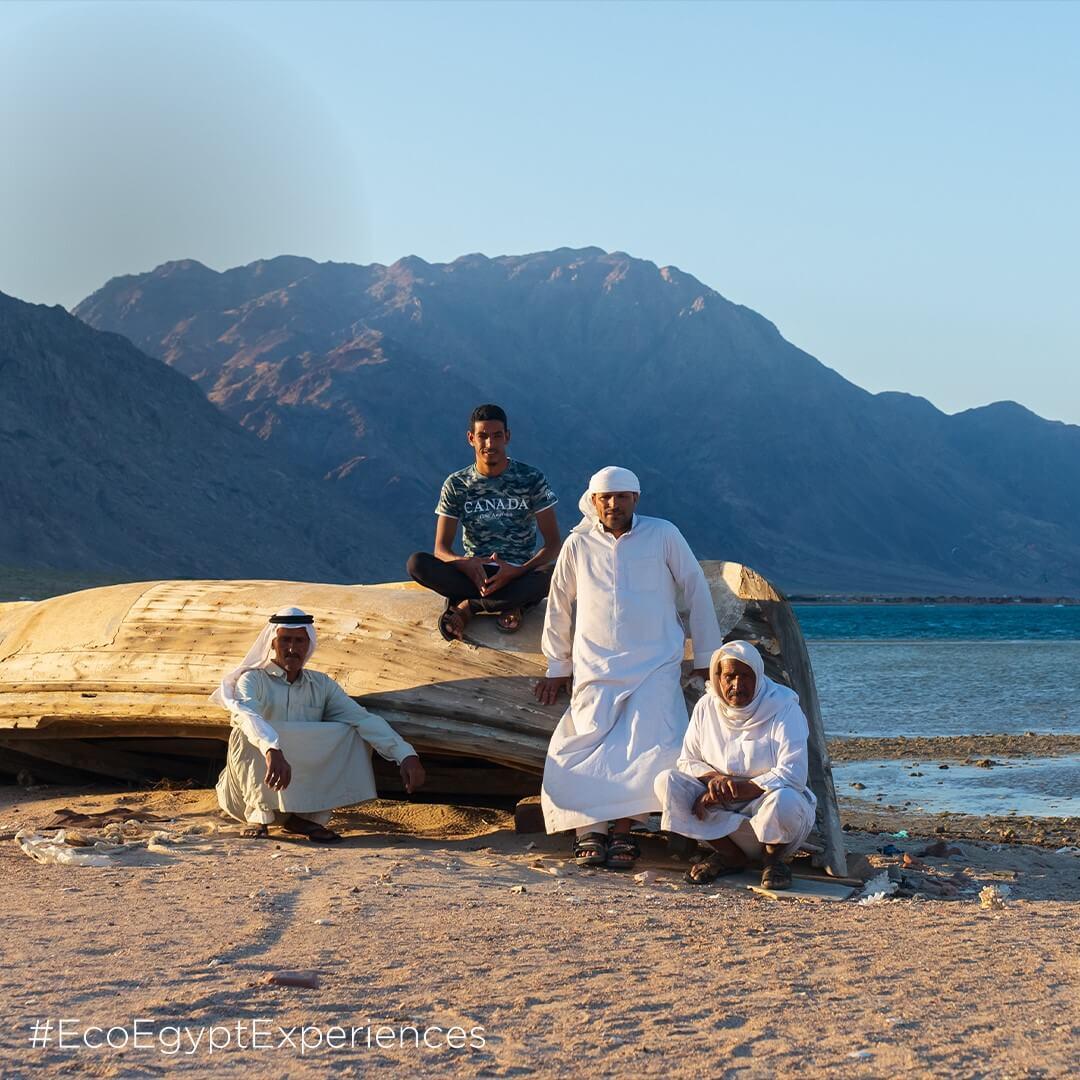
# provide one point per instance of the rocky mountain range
(364, 376)
(116, 466)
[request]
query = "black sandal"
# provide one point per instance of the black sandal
(713, 867)
(591, 849)
(452, 612)
(255, 832)
(776, 875)
(622, 852)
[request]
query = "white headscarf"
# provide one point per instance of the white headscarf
(609, 478)
(259, 653)
(769, 697)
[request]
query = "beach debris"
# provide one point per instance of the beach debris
(985, 763)
(922, 885)
(859, 866)
(890, 849)
(307, 980)
(859, 786)
(530, 845)
(202, 828)
(911, 863)
(115, 815)
(323, 922)
(860, 1055)
(53, 849)
(554, 871)
(646, 877)
(940, 849)
(518, 889)
(943, 766)
(1068, 850)
(993, 897)
(159, 840)
(901, 835)
(878, 889)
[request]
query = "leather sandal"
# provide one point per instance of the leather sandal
(622, 852)
(447, 620)
(776, 875)
(591, 849)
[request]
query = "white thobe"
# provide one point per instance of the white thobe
(325, 737)
(773, 754)
(624, 646)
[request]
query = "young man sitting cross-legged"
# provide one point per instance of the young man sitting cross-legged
(499, 503)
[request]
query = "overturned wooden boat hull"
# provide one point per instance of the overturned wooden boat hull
(138, 662)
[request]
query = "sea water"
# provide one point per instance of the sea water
(951, 669)
(945, 669)
(1040, 787)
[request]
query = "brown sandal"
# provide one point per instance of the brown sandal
(453, 614)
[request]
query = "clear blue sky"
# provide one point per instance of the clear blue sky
(896, 186)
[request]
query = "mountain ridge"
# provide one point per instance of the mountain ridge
(115, 464)
(758, 450)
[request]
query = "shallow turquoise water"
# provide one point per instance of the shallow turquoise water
(939, 622)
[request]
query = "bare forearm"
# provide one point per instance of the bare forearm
(544, 557)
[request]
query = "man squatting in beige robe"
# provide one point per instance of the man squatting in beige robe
(299, 747)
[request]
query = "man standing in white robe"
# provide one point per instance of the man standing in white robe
(299, 747)
(613, 626)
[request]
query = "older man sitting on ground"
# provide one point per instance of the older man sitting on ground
(740, 782)
(300, 747)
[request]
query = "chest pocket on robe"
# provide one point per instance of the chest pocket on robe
(309, 714)
(643, 575)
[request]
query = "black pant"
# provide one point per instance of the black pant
(447, 580)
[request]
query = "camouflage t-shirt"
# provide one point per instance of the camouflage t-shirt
(497, 513)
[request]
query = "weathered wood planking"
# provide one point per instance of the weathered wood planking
(140, 661)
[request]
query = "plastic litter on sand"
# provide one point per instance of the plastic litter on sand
(993, 897)
(878, 889)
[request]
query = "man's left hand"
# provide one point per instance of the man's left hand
(503, 576)
(412, 774)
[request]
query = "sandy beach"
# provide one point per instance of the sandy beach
(430, 918)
